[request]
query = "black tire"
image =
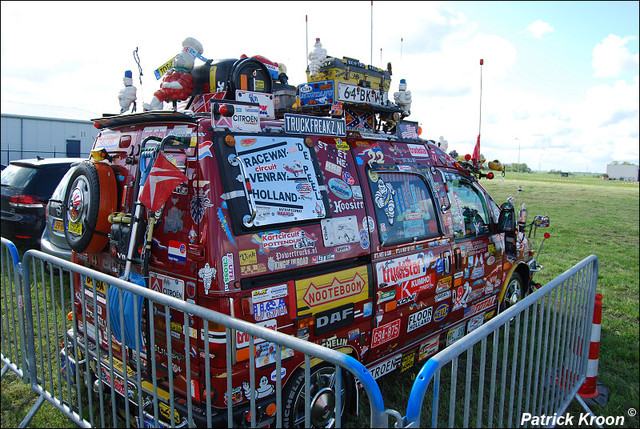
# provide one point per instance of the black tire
(321, 398)
(513, 294)
(83, 205)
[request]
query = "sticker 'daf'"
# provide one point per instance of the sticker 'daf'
(328, 291)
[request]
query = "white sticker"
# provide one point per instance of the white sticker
(242, 338)
(386, 367)
(268, 294)
(341, 230)
(167, 285)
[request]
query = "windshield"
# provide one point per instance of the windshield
(17, 176)
(58, 194)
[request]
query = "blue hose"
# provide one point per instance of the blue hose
(128, 302)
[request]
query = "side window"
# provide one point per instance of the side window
(404, 208)
(468, 208)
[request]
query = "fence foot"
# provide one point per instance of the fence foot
(32, 412)
(601, 398)
(586, 408)
(4, 370)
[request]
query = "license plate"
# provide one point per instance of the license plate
(100, 286)
(455, 334)
(75, 228)
(58, 225)
(358, 94)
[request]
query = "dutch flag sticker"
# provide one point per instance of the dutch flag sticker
(177, 252)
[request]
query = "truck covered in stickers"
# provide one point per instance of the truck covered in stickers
(332, 221)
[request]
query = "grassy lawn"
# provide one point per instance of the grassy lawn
(588, 216)
(593, 216)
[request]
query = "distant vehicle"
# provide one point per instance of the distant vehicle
(53, 240)
(27, 185)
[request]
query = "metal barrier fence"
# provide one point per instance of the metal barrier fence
(62, 360)
(537, 362)
(13, 342)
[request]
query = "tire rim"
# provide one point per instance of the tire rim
(78, 204)
(513, 294)
(323, 400)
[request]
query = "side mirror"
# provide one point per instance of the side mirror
(507, 219)
(541, 221)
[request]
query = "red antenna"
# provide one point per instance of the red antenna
(476, 150)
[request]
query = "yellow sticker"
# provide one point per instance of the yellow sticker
(248, 257)
(342, 145)
(163, 69)
(329, 291)
(75, 228)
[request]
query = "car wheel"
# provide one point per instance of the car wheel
(513, 294)
(90, 198)
(321, 397)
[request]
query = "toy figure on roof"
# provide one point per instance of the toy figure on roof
(403, 97)
(442, 144)
(127, 95)
(316, 58)
(177, 83)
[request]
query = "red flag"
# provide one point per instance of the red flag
(163, 179)
(476, 152)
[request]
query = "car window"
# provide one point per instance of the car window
(47, 179)
(17, 176)
(404, 208)
(58, 193)
(468, 208)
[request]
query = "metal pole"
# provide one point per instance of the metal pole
(371, 32)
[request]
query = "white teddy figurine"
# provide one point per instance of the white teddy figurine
(316, 58)
(127, 95)
(403, 97)
(443, 144)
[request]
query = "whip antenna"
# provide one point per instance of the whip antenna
(136, 58)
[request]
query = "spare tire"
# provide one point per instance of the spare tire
(90, 198)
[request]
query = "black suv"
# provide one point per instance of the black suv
(27, 185)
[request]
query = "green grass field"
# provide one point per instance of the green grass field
(588, 216)
(600, 217)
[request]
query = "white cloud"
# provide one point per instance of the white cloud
(539, 29)
(611, 57)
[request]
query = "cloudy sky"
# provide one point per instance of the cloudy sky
(559, 81)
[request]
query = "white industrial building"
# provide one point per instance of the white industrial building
(30, 130)
(624, 172)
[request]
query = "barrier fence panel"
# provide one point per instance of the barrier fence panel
(527, 362)
(149, 351)
(13, 342)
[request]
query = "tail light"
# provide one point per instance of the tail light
(25, 201)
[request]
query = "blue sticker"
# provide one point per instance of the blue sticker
(364, 239)
(441, 312)
(340, 189)
(269, 309)
(225, 226)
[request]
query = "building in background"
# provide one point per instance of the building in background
(30, 130)
(626, 172)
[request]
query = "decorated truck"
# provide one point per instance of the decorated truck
(316, 210)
